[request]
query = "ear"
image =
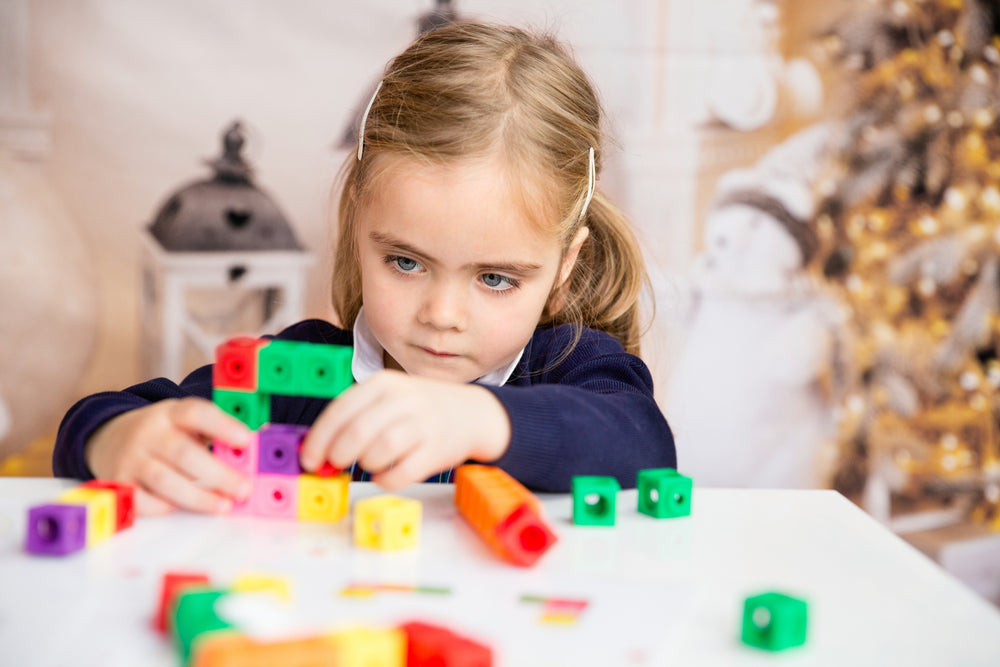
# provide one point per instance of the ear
(558, 296)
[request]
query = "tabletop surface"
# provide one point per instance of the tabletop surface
(657, 592)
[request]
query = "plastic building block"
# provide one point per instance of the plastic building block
(278, 449)
(774, 621)
(276, 374)
(664, 493)
(371, 647)
(231, 649)
(387, 522)
(594, 500)
(252, 582)
(253, 409)
(170, 587)
(124, 500)
(240, 459)
(325, 370)
(100, 504)
(56, 530)
(435, 646)
(275, 496)
(327, 469)
(235, 364)
(324, 498)
(194, 616)
(503, 512)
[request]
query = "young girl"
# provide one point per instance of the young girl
(491, 289)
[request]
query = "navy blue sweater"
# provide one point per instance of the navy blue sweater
(590, 413)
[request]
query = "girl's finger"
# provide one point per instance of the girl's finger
(388, 442)
(323, 440)
(416, 467)
(204, 418)
(146, 504)
(190, 457)
(167, 483)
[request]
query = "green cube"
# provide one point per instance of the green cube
(251, 408)
(194, 615)
(276, 367)
(594, 499)
(664, 493)
(774, 621)
(324, 371)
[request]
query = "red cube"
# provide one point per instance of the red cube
(435, 646)
(235, 366)
(124, 500)
(173, 584)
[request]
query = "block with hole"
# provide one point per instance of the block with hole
(56, 529)
(194, 617)
(124, 500)
(101, 511)
(436, 646)
(594, 500)
(232, 649)
(774, 621)
(171, 586)
(275, 496)
(368, 645)
(324, 499)
(305, 369)
(664, 493)
(278, 448)
(387, 522)
(235, 366)
(240, 459)
(251, 408)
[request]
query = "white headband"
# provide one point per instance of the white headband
(364, 121)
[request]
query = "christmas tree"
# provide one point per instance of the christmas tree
(910, 215)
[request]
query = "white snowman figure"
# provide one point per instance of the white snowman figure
(748, 397)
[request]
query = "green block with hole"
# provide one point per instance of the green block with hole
(594, 499)
(774, 621)
(664, 493)
(194, 615)
(295, 368)
(251, 408)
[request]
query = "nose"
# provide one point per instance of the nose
(443, 306)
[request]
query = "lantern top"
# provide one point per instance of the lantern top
(225, 212)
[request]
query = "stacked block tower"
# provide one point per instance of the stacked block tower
(246, 373)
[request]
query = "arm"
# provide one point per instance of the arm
(592, 414)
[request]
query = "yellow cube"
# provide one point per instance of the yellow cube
(323, 498)
(252, 583)
(370, 647)
(102, 512)
(387, 522)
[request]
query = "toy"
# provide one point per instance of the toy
(503, 512)
(81, 517)
(594, 500)
(170, 587)
(664, 493)
(386, 522)
(436, 646)
(774, 621)
(247, 371)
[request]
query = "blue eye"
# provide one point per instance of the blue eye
(498, 282)
(404, 264)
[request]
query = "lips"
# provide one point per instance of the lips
(437, 353)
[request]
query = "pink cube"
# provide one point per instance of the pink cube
(276, 496)
(241, 459)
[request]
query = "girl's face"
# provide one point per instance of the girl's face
(454, 275)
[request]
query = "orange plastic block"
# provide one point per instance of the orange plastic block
(369, 646)
(503, 512)
(231, 649)
(171, 586)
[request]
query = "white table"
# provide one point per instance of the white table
(664, 592)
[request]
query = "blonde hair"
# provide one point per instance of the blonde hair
(468, 90)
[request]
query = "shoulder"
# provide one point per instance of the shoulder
(558, 350)
(316, 331)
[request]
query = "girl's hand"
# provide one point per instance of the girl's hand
(162, 449)
(403, 428)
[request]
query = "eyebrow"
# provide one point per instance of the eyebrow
(390, 242)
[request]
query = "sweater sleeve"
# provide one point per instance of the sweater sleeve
(89, 413)
(593, 413)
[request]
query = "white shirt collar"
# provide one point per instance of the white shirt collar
(368, 359)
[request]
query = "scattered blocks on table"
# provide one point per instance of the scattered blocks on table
(101, 513)
(664, 493)
(56, 530)
(387, 522)
(774, 621)
(594, 499)
(124, 500)
(324, 498)
(435, 646)
(170, 587)
(370, 646)
(503, 512)
(194, 616)
(231, 649)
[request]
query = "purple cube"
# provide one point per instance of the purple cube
(56, 530)
(278, 451)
